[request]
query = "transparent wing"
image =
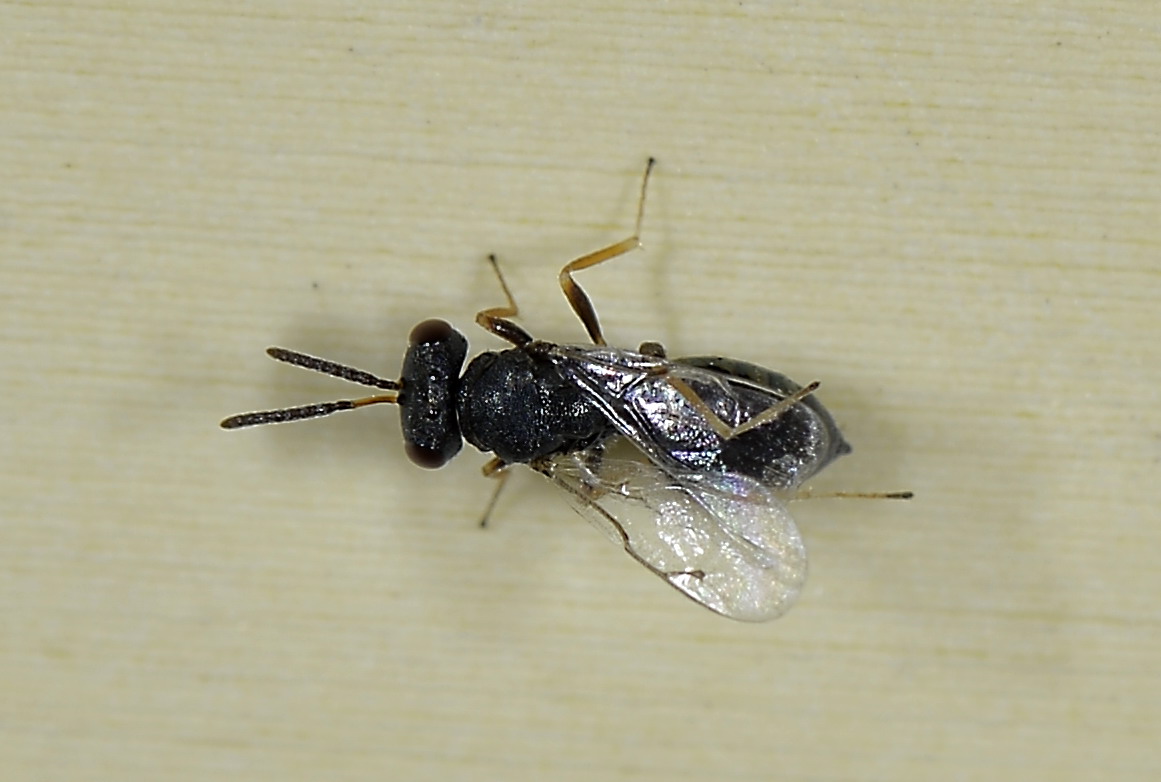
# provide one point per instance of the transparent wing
(637, 394)
(722, 540)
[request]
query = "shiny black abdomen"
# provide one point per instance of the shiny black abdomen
(793, 440)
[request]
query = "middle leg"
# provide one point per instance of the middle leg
(497, 468)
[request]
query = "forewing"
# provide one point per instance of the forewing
(723, 540)
(637, 394)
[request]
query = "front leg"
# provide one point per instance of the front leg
(496, 319)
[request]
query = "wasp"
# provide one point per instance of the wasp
(718, 445)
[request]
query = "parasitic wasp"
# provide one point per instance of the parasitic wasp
(719, 445)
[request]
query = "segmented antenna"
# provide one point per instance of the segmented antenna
(319, 409)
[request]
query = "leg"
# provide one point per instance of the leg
(577, 298)
(497, 469)
(724, 430)
(495, 319)
(807, 494)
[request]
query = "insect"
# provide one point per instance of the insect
(718, 445)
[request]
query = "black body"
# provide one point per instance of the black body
(751, 453)
(529, 403)
(517, 405)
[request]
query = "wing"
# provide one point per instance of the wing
(723, 540)
(636, 393)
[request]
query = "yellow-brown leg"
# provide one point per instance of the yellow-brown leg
(724, 430)
(807, 494)
(577, 298)
(496, 319)
(497, 468)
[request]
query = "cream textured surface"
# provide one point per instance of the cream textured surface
(949, 212)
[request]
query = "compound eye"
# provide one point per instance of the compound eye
(431, 458)
(431, 331)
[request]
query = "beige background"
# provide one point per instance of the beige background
(948, 212)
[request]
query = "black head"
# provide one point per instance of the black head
(427, 399)
(425, 392)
